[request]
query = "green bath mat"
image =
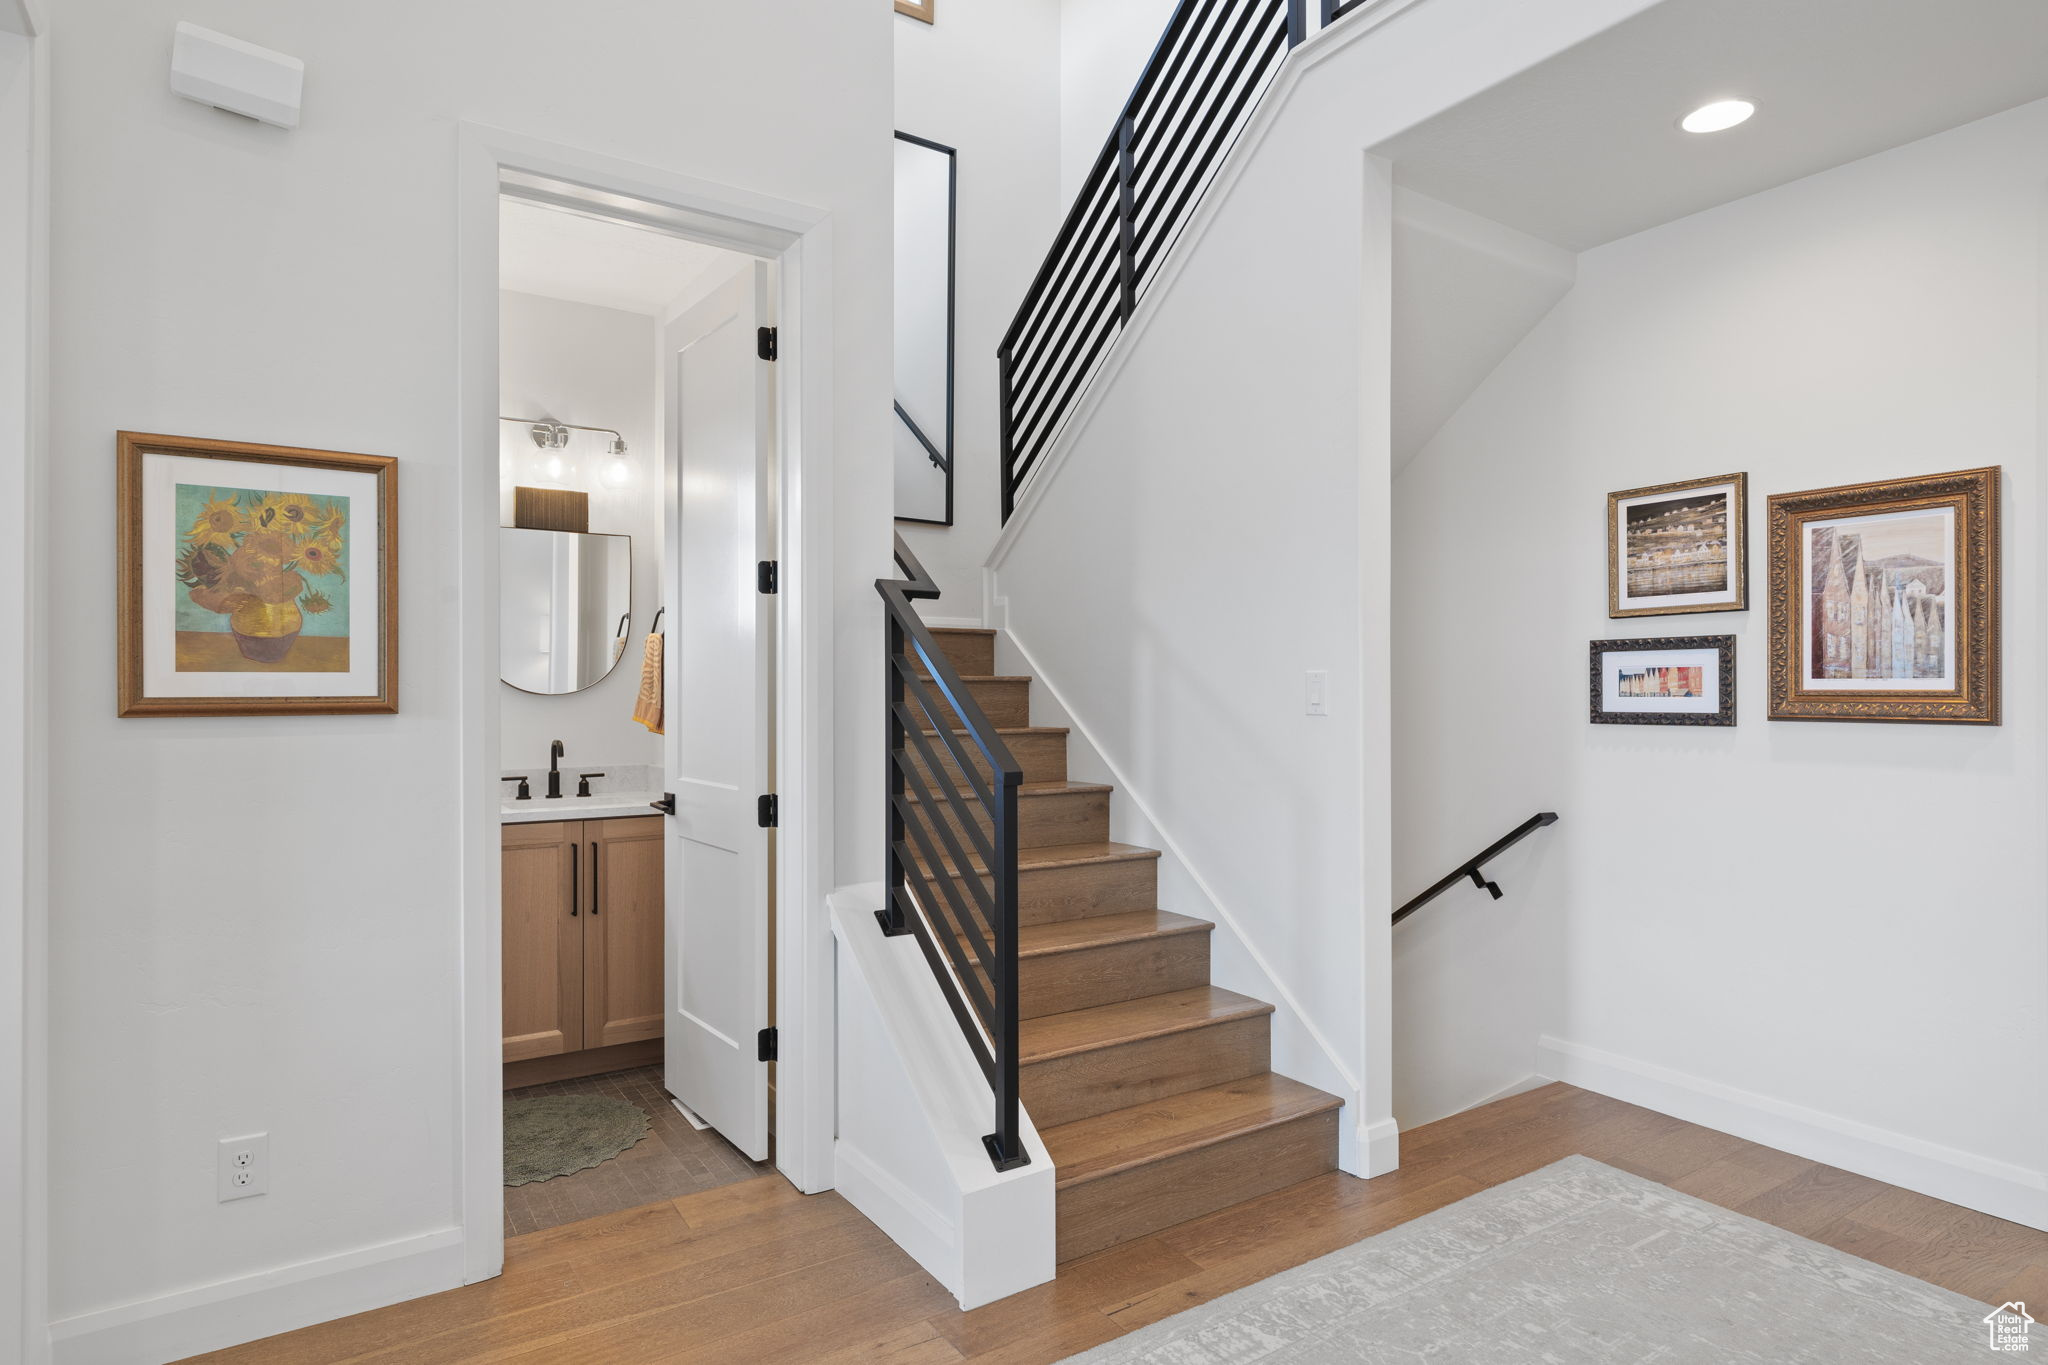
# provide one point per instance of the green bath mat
(551, 1135)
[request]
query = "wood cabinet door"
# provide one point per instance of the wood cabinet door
(545, 869)
(622, 936)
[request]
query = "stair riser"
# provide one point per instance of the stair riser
(1005, 701)
(968, 653)
(1134, 1203)
(1043, 758)
(1042, 821)
(1050, 895)
(1086, 977)
(1084, 1084)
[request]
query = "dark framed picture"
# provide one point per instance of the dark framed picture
(1663, 680)
(1884, 600)
(255, 580)
(1675, 548)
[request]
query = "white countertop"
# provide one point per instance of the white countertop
(603, 806)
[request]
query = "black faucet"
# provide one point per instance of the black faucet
(525, 792)
(583, 783)
(555, 771)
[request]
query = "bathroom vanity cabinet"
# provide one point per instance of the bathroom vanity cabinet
(582, 956)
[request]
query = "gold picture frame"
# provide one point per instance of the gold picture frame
(255, 580)
(1674, 549)
(1885, 600)
(917, 9)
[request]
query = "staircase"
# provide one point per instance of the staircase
(1151, 1088)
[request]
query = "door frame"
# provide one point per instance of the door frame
(799, 240)
(24, 692)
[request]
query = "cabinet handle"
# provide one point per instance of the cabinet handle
(593, 876)
(575, 881)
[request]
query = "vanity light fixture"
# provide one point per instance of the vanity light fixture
(1717, 116)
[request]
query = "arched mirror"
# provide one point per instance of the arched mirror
(925, 200)
(565, 601)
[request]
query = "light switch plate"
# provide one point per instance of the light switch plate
(1318, 692)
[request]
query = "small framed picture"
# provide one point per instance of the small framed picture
(1664, 680)
(1884, 600)
(1675, 548)
(917, 9)
(256, 580)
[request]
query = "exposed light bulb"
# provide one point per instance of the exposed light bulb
(618, 473)
(555, 468)
(1713, 118)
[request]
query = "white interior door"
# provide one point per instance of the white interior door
(717, 709)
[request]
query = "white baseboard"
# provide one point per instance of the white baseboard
(230, 1312)
(1975, 1182)
(1381, 1144)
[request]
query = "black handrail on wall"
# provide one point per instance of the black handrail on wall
(961, 906)
(1471, 866)
(1208, 71)
(931, 452)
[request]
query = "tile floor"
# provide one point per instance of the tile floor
(674, 1159)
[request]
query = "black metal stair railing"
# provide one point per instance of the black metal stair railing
(952, 843)
(1205, 77)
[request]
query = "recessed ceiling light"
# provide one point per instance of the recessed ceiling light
(1712, 118)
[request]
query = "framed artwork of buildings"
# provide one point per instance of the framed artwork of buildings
(1675, 548)
(1884, 600)
(256, 580)
(1663, 680)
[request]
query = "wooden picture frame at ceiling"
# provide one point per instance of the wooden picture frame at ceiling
(324, 525)
(1885, 600)
(917, 9)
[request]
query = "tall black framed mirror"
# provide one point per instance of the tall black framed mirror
(926, 202)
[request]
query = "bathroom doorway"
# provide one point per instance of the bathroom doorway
(635, 459)
(649, 583)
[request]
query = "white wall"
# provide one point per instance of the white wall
(254, 921)
(1104, 45)
(1829, 936)
(24, 209)
(1215, 523)
(578, 363)
(984, 80)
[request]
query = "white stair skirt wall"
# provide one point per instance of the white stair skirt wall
(913, 1108)
(1301, 1051)
(1998, 1188)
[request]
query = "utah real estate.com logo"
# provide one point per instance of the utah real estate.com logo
(2008, 1327)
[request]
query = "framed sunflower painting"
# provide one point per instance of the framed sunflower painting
(256, 580)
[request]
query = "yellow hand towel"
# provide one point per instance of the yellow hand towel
(647, 706)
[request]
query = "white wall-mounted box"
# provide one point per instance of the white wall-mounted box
(239, 77)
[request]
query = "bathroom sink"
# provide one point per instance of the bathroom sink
(604, 805)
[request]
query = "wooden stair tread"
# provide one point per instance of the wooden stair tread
(1033, 789)
(961, 630)
(1151, 1016)
(1073, 855)
(1014, 730)
(1091, 1148)
(1073, 935)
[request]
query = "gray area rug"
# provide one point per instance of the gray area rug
(551, 1135)
(1575, 1264)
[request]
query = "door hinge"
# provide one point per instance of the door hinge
(768, 1045)
(767, 812)
(766, 343)
(768, 576)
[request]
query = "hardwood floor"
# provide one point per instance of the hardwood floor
(757, 1273)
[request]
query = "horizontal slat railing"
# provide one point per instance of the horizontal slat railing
(1214, 61)
(952, 845)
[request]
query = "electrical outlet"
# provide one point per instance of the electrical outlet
(1318, 692)
(244, 1166)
